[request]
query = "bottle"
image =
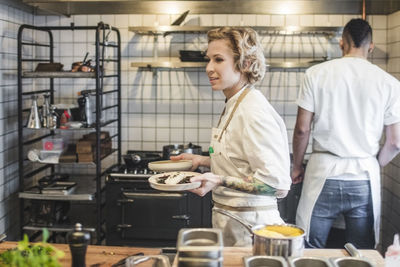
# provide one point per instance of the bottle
(46, 111)
(53, 118)
(392, 255)
(78, 241)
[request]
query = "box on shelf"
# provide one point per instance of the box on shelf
(53, 143)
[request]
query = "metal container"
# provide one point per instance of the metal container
(271, 246)
(175, 150)
(309, 262)
(200, 243)
(200, 262)
(159, 260)
(259, 261)
(352, 262)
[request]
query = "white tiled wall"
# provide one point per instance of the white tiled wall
(168, 106)
(391, 177)
(11, 18)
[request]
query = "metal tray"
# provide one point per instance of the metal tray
(351, 262)
(309, 262)
(200, 243)
(200, 262)
(258, 261)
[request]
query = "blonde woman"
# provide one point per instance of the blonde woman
(249, 154)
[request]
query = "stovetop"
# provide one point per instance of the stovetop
(139, 172)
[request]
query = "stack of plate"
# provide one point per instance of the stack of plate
(200, 247)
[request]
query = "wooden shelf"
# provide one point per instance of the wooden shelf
(58, 74)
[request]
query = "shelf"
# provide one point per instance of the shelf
(58, 74)
(85, 191)
(175, 64)
(290, 30)
(72, 129)
(55, 228)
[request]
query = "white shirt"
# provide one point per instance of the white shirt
(352, 100)
(254, 144)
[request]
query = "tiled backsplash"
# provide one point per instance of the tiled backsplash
(173, 106)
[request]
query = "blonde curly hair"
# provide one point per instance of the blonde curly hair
(247, 49)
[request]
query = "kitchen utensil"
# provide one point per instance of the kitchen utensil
(176, 149)
(271, 246)
(135, 159)
(3, 237)
(122, 262)
(78, 241)
(200, 243)
(160, 260)
(200, 262)
(34, 119)
(258, 261)
(308, 262)
(170, 165)
(49, 67)
(154, 182)
(46, 111)
(357, 260)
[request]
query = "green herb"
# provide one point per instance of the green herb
(32, 254)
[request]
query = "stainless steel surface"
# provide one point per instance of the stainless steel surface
(56, 228)
(309, 262)
(277, 30)
(258, 261)
(352, 262)
(72, 7)
(176, 64)
(58, 74)
(352, 250)
(285, 247)
(34, 118)
(200, 243)
(160, 260)
(199, 262)
(3, 237)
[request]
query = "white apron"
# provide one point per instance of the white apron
(314, 181)
(235, 234)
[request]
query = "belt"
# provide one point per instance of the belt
(256, 208)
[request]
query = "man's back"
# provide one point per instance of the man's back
(352, 100)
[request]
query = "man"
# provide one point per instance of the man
(350, 102)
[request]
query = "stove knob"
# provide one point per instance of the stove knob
(135, 171)
(145, 171)
(136, 158)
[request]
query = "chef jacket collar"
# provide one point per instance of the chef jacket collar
(231, 101)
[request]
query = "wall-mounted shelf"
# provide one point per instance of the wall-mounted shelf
(290, 30)
(176, 64)
(58, 74)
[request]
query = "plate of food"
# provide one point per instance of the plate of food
(174, 181)
(170, 165)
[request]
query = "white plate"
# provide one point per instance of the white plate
(153, 180)
(170, 165)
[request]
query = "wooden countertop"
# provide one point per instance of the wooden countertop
(102, 256)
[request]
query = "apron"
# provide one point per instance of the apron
(314, 181)
(235, 234)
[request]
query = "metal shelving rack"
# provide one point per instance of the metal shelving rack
(175, 63)
(96, 195)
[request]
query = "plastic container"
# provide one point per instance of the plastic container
(392, 255)
(53, 144)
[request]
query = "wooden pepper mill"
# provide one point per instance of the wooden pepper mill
(78, 241)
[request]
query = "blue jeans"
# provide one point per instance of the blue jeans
(353, 200)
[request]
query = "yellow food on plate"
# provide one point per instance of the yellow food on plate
(279, 231)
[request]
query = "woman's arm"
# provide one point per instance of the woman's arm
(197, 160)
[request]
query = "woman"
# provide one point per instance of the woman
(249, 154)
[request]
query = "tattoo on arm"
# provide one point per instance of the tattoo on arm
(248, 185)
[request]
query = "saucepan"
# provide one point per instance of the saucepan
(265, 244)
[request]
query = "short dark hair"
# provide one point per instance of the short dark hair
(359, 31)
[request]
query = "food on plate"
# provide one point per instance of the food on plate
(279, 231)
(174, 178)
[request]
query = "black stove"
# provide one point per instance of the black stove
(138, 215)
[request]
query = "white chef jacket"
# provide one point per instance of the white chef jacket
(254, 144)
(352, 100)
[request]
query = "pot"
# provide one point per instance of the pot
(271, 246)
(139, 159)
(174, 150)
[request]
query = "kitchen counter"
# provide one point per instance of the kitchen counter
(101, 256)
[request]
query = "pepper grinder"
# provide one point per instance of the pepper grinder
(78, 241)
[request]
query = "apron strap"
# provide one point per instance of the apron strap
(241, 97)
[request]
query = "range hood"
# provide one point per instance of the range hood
(76, 7)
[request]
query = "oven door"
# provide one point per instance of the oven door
(152, 215)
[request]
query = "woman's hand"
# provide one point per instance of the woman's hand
(197, 160)
(208, 182)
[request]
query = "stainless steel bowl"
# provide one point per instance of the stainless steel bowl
(352, 262)
(200, 243)
(309, 262)
(258, 261)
